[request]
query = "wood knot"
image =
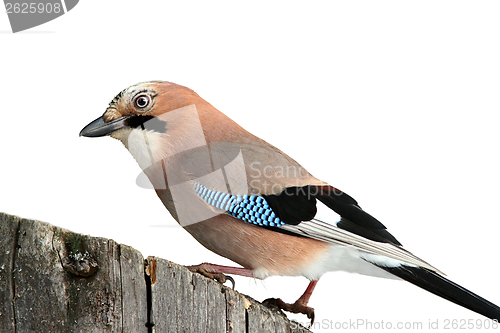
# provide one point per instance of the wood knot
(81, 264)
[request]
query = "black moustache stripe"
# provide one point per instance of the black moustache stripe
(147, 122)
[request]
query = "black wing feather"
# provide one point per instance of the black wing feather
(293, 205)
(297, 204)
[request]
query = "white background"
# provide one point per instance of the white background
(394, 102)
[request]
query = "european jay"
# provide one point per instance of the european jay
(246, 200)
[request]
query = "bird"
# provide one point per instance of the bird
(248, 201)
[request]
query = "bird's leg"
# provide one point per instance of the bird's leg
(300, 305)
(216, 272)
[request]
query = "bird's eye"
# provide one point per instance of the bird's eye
(142, 101)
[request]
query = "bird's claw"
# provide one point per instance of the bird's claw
(297, 307)
(233, 283)
(217, 276)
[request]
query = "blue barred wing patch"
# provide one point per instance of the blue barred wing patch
(248, 208)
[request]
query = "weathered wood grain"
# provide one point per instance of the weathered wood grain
(57, 289)
(187, 302)
(54, 280)
(8, 234)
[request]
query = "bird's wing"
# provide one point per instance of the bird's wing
(294, 209)
(293, 201)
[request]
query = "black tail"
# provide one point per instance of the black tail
(438, 285)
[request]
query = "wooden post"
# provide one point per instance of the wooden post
(54, 280)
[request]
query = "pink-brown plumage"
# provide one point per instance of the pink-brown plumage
(216, 179)
(264, 251)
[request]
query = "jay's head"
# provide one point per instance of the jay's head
(155, 120)
(141, 106)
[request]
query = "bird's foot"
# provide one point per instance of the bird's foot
(204, 269)
(297, 307)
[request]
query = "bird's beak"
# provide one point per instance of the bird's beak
(101, 128)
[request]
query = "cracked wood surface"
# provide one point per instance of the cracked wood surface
(52, 286)
(54, 280)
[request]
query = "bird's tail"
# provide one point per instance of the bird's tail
(438, 285)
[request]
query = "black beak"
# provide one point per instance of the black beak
(101, 128)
